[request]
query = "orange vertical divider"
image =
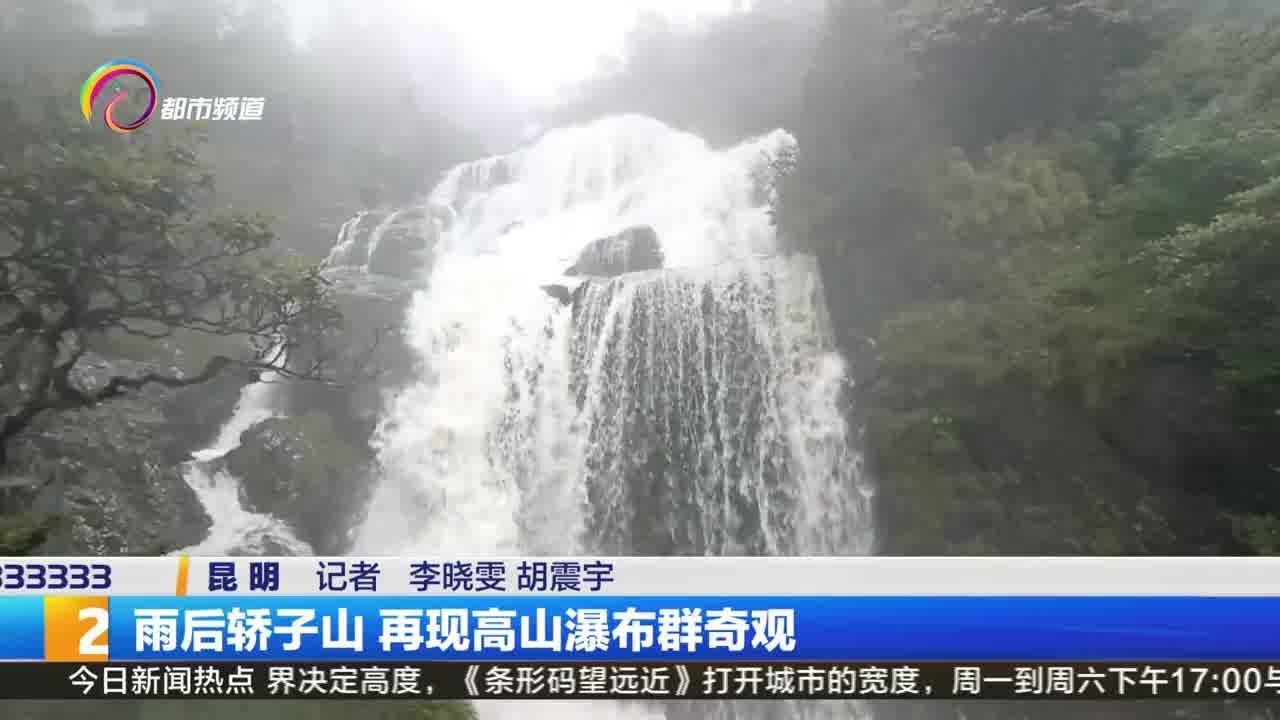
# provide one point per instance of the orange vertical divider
(184, 571)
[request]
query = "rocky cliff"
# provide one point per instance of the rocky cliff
(107, 480)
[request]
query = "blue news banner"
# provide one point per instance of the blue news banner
(667, 628)
(652, 647)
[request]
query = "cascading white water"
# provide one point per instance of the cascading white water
(355, 250)
(346, 250)
(234, 529)
(690, 410)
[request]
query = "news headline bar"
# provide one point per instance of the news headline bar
(864, 576)
(639, 628)
(639, 682)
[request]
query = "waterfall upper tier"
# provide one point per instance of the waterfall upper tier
(547, 201)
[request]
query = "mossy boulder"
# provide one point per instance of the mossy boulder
(109, 476)
(306, 472)
(632, 250)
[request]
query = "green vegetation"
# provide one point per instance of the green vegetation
(20, 534)
(1077, 351)
(100, 234)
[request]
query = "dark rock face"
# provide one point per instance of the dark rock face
(560, 293)
(372, 342)
(352, 249)
(403, 247)
(394, 245)
(374, 270)
(303, 471)
(111, 474)
(632, 250)
(568, 298)
(197, 413)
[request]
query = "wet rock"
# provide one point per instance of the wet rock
(371, 346)
(352, 247)
(402, 250)
(196, 414)
(569, 298)
(632, 250)
(110, 476)
(266, 544)
(559, 292)
(388, 244)
(305, 472)
(373, 271)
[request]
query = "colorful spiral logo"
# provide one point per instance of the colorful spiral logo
(109, 75)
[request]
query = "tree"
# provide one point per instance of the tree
(855, 194)
(107, 234)
(995, 67)
(1075, 322)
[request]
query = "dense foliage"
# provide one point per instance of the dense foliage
(1076, 346)
(100, 234)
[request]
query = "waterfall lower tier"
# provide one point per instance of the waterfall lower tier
(707, 415)
(235, 530)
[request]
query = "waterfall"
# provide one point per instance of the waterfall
(355, 249)
(347, 250)
(236, 530)
(687, 410)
